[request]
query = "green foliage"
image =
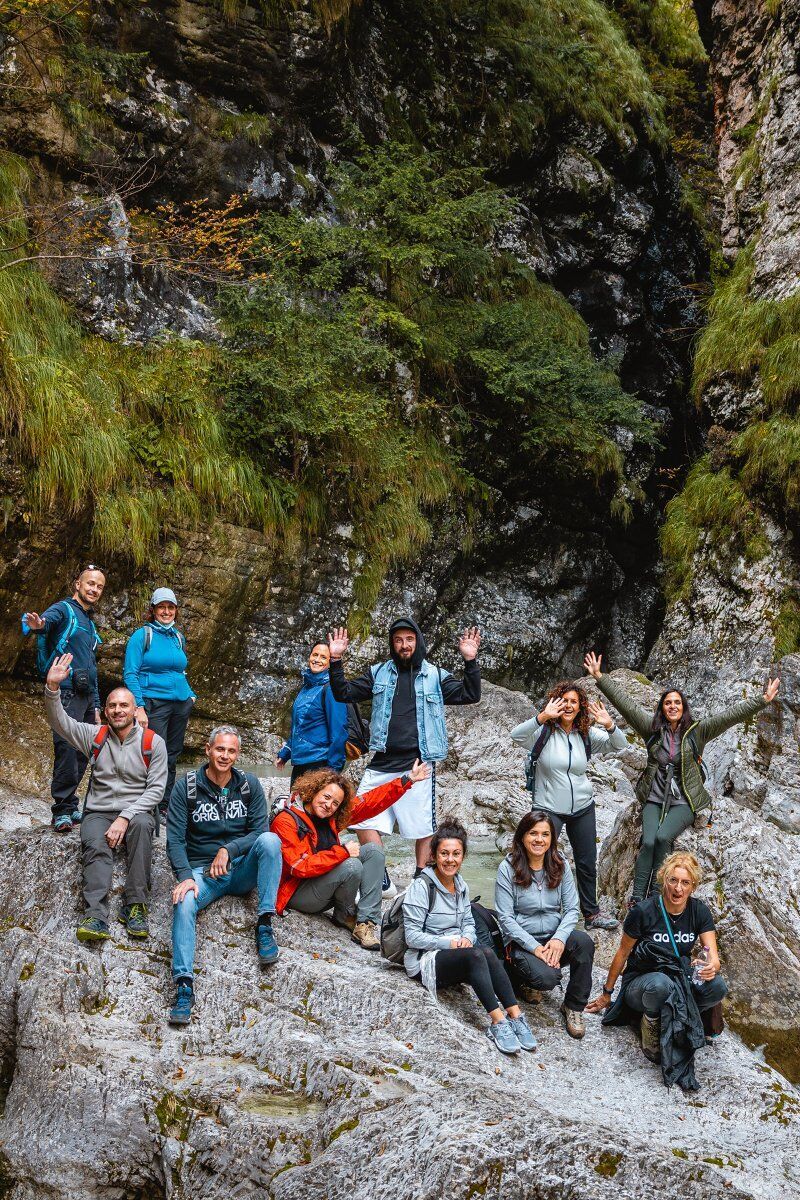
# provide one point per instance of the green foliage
(744, 335)
(713, 503)
(378, 370)
(133, 437)
(252, 127)
(786, 626)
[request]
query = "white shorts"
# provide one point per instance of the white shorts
(414, 812)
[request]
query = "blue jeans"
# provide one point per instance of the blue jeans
(260, 867)
(647, 993)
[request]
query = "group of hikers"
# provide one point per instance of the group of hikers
(222, 840)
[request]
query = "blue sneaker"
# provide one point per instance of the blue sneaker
(62, 823)
(181, 1011)
(267, 946)
(523, 1032)
(504, 1038)
(76, 816)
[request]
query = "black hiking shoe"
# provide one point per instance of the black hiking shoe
(92, 929)
(134, 918)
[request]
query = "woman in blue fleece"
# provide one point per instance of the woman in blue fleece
(155, 671)
(319, 723)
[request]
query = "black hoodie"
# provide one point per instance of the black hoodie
(402, 742)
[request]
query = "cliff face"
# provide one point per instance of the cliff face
(196, 105)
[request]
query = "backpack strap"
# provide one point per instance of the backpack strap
(148, 638)
(147, 745)
(245, 788)
(668, 925)
(191, 786)
(587, 745)
(431, 899)
(98, 742)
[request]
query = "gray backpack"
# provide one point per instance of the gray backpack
(393, 930)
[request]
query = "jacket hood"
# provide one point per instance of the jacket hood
(315, 678)
(421, 649)
(430, 873)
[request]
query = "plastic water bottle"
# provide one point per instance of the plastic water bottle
(699, 963)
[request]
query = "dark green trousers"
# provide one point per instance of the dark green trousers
(657, 842)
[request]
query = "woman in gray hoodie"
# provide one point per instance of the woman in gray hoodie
(537, 909)
(442, 941)
(562, 739)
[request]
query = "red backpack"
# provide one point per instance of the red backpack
(101, 737)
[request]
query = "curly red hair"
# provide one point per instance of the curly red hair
(309, 784)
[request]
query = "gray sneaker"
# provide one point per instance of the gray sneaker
(651, 1038)
(523, 1033)
(504, 1038)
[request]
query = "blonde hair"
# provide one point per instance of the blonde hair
(681, 858)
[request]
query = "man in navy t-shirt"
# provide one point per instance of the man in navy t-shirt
(79, 693)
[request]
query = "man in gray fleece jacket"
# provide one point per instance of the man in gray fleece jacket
(126, 784)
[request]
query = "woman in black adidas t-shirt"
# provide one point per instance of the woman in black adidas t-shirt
(652, 931)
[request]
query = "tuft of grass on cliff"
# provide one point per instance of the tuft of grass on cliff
(746, 341)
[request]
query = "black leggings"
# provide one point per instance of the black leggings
(481, 969)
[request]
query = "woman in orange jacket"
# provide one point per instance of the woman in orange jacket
(319, 872)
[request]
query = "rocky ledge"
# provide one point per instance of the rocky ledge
(331, 1074)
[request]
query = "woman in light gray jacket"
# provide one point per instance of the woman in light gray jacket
(442, 941)
(537, 909)
(562, 739)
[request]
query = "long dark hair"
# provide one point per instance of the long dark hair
(553, 861)
(660, 722)
(583, 720)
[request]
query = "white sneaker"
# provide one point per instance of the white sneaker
(389, 889)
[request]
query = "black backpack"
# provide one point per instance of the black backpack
(533, 757)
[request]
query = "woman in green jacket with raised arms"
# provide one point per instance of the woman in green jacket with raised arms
(671, 789)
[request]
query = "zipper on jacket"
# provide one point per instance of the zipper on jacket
(569, 775)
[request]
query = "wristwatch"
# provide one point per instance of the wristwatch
(609, 991)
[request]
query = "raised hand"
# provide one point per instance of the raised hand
(771, 690)
(338, 641)
(59, 670)
(592, 663)
(552, 710)
(600, 714)
(469, 643)
(34, 622)
(419, 771)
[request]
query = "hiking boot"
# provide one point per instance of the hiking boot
(576, 1026)
(522, 1031)
(364, 933)
(344, 920)
(651, 1038)
(267, 946)
(76, 816)
(62, 823)
(389, 890)
(600, 920)
(530, 995)
(504, 1038)
(92, 929)
(134, 918)
(181, 1011)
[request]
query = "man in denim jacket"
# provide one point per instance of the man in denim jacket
(408, 697)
